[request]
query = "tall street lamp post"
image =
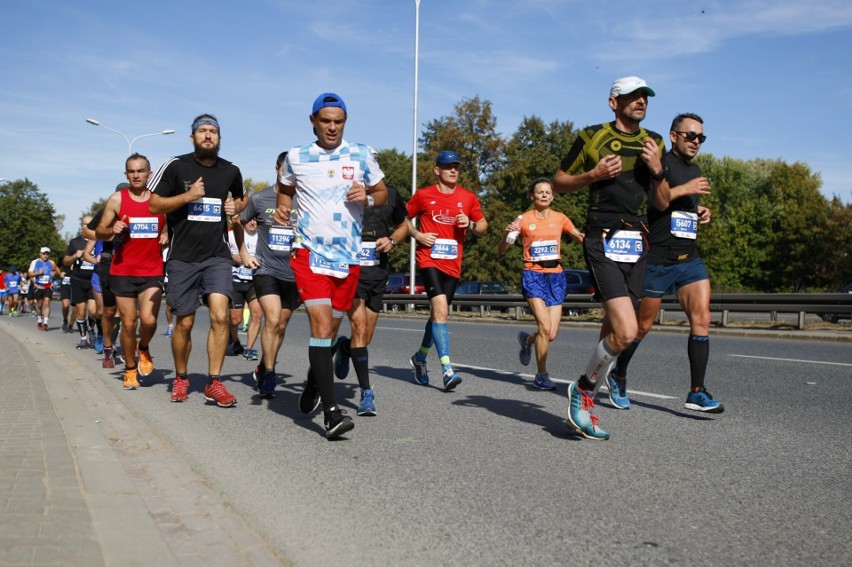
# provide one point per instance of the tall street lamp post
(126, 139)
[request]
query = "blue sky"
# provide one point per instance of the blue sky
(772, 79)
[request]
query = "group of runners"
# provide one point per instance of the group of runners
(320, 238)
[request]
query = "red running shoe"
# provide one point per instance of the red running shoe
(180, 389)
(216, 392)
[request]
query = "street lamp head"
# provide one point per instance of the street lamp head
(93, 121)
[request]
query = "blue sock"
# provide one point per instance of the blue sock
(441, 335)
(426, 343)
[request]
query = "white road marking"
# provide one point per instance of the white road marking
(790, 360)
(561, 381)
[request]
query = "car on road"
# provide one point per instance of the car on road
(835, 317)
(579, 281)
(400, 283)
(469, 291)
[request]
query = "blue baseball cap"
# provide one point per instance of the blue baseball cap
(447, 157)
(328, 99)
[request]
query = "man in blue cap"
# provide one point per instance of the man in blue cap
(446, 212)
(333, 181)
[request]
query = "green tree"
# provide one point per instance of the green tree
(251, 186)
(28, 221)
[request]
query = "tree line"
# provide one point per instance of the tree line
(771, 230)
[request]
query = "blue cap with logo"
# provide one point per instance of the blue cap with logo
(447, 157)
(328, 99)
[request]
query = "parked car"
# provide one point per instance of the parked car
(579, 281)
(400, 283)
(467, 289)
(835, 317)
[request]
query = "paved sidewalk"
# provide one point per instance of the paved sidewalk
(83, 481)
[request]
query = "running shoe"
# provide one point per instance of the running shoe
(180, 389)
(108, 361)
(99, 344)
(451, 379)
(266, 384)
(250, 354)
(367, 407)
(170, 330)
(703, 401)
(421, 376)
(91, 338)
(543, 382)
(258, 372)
(580, 417)
(525, 354)
(116, 356)
(309, 400)
(131, 382)
(337, 423)
(65, 327)
(216, 392)
(235, 349)
(617, 392)
(84, 344)
(146, 362)
(341, 359)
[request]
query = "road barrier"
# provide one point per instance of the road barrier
(722, 303)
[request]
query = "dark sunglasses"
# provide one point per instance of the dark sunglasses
(692, 136)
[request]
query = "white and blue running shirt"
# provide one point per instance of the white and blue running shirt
(328, 224)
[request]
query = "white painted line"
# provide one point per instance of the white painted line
(790, 360)
(559, 380)
(399, 329)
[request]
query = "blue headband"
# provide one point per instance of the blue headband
(204, 120)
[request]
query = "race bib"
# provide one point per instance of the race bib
(369, 256)
(625, 246)
(280, 239)
(684, 225)
(320, 265)
(86, 265)
(144, 227)
(244, 273)
(445, 249)
(205, 209)
(543, 250)
(66, 280)
(43, 280)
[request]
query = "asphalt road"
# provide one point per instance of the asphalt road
(489, 475)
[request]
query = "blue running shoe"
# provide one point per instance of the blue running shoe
(617, 393)
(580, 417)
(99, 344)
(525, 354)
(451, 379)
(250, 354)
(367, 407)
(543, 382)
(341, 359)
(420, 374)
(703, 401)
(84, 344)
(170, 331)
(266, 384)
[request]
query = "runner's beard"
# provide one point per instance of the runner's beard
(207, 153)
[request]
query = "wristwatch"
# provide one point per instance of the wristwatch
(370, 201)
(663, 174)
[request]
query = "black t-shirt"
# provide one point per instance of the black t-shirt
(666, 247)
(624, 197)
(378, 223)
(80, 268)
(106, 251)
(199, 230)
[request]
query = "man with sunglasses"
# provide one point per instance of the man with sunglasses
(621, 162)
(675, 267)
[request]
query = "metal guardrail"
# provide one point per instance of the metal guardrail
(723, 303)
